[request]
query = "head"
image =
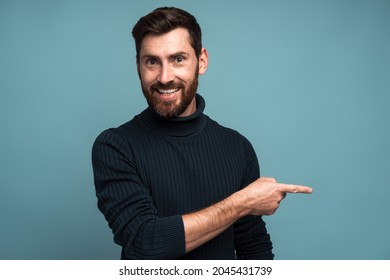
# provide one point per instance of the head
(169, 59)
(163, 20)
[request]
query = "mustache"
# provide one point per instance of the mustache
(166, 86)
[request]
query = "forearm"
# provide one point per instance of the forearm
(204, 225)
(262, 197)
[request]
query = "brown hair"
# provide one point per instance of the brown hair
(163, 20)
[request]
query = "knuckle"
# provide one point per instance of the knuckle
(268, 179)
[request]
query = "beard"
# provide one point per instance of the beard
(170, 108)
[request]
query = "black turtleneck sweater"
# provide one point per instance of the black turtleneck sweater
(150, 171)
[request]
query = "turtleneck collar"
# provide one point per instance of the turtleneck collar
(180, 126)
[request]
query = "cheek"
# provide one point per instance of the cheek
(147, 77)
(186, 75)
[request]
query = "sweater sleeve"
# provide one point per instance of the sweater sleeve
(250, 234)
(127, 205)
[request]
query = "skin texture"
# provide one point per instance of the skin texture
(168, 64)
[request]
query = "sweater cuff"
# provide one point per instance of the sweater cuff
(174, 236)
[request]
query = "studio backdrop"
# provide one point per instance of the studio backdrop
(307, 82)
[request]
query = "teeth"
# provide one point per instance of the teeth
(168, 91)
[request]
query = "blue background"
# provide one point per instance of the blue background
(308, 82)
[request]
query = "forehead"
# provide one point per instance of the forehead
(177, 40)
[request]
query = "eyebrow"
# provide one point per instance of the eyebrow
(170, 56)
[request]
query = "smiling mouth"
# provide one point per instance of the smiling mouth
(167, 91)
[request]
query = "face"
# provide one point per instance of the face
(168, 69)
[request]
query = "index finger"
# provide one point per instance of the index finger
(288, 188)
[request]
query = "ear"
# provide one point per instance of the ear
(203, 61)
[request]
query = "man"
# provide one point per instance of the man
(172, 183)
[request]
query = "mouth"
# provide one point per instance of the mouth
(167, 91)
(168, 94)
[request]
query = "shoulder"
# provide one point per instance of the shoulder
(116, 138)
(123, 131)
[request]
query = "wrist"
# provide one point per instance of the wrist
(239, 204)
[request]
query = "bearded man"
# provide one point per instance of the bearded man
(173, 183)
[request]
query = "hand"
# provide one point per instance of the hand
(263, 196)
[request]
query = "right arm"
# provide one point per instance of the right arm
(262, 197)
(127, 205)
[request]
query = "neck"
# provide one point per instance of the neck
(180, 126)
(191, 109)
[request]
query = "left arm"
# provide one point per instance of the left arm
(251, 239)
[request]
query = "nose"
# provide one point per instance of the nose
(166, 74)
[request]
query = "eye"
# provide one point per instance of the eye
(151, 61)
(179, 59)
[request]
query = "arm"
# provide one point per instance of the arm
(128, 206)
(251, 239)
(262, 197)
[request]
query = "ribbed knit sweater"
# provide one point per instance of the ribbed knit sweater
(150, 171)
